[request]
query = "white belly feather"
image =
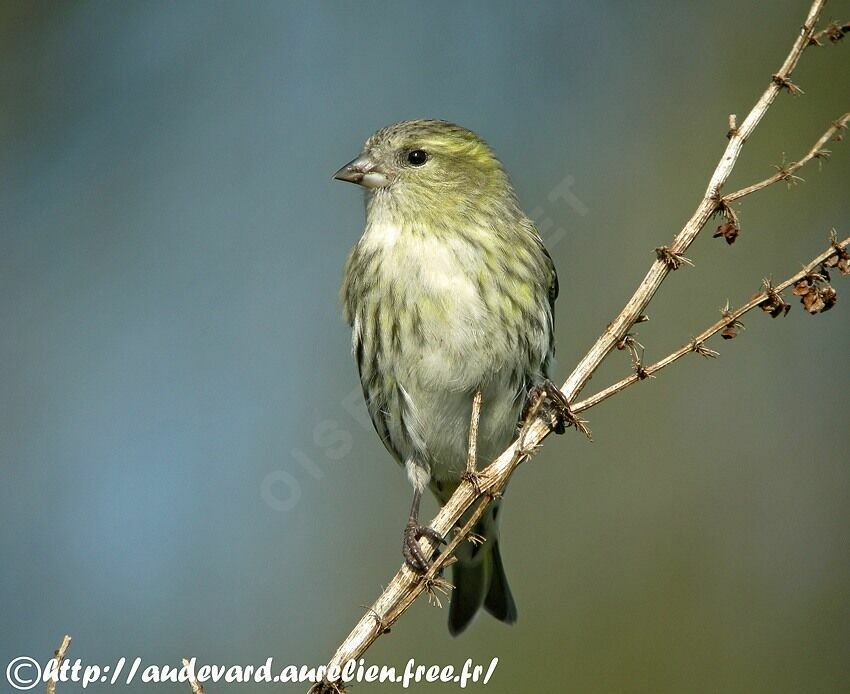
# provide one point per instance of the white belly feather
(462, 348)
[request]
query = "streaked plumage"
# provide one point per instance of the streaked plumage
(449, 289)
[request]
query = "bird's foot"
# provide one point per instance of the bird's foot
(413, 555)
(559, 407)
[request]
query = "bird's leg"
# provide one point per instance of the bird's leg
(413, 532)
(559, 405)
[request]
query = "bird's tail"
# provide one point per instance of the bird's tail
(479, 580)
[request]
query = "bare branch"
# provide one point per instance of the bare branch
(834, 32)
(697, 344)
(471, 473)
(59, 655)
(472, 456)
(406, 585)
(197, 687)
(660, 268)
(785, 172)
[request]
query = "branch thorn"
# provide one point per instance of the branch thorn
(785, 83)
(641, 372)
(733, 126)
(699, 348)
(671, 258)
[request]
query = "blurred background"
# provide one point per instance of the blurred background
(185, 464)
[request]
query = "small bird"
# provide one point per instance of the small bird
(449, 291)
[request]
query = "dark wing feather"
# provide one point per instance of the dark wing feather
(553, 295)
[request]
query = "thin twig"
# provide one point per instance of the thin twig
(786, 172)
(621, 325)
(697, 343)
(59, 655)
(406, 585)
(472, 451)
(197, 687)
(834, 32)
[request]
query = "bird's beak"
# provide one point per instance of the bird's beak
(364, 172)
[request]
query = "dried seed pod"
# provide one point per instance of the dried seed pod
(728, 230)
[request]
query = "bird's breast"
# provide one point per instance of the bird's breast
(430, 302)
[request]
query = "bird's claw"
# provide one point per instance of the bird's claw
(413, 555)
(560, 406)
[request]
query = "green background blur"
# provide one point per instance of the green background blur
(185, 468)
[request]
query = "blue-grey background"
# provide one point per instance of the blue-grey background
(184, 468)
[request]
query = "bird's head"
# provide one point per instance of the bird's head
(428, 162)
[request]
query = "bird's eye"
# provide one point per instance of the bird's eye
(417, 157)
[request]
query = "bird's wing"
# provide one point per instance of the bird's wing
(376, 397)
(553, 282)
(553, 295)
